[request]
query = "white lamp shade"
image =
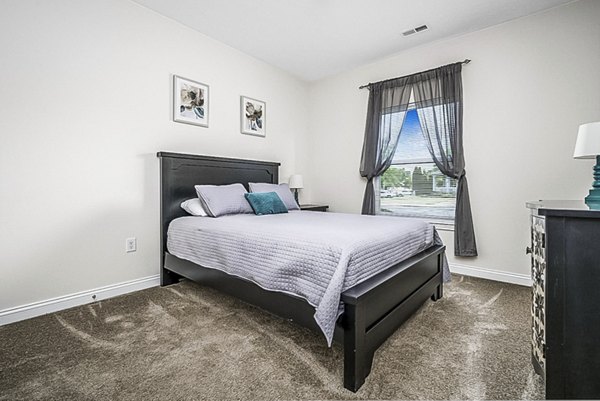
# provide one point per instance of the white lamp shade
(296, 181)
(588, 141)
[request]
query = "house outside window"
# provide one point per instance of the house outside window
(413, 186)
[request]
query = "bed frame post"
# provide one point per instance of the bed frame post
(168, 277)
(439, 290)
(439, 293)
(357, 359)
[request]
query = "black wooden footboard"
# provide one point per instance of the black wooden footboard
(375, 308)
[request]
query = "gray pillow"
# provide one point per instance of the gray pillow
(283, 190)
(219, 200)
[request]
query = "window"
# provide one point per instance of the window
(413, 186)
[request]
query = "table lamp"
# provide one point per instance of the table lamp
(588, 147)
(295, 184)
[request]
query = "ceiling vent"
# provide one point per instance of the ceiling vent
(415, 30)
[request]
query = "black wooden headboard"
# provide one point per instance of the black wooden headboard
(180, 172)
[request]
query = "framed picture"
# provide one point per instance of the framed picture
(190, 101)
(253, 116)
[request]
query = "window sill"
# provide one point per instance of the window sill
(443, 226)
(440, 225)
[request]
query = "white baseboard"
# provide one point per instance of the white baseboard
(34, 309)
(496, 275)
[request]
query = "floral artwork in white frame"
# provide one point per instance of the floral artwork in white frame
(190, 101)
(253, 116)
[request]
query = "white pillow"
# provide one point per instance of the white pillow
(194, 207)
(283, 190)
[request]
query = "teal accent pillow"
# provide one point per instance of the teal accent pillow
(266, 203)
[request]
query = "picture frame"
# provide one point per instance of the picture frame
(253, 116)
(190, 101)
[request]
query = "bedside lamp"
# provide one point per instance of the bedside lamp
(295, 184)
(588, 147)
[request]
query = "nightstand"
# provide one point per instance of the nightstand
(314, 207)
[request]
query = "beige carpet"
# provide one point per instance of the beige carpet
(188, 342)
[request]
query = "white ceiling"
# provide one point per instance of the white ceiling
(316, 38)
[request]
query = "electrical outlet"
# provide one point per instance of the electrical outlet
(130, 245)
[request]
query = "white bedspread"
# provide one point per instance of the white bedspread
(313, 255)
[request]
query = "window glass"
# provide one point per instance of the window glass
(413, 186)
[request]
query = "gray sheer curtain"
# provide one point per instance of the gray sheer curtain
(438, 99)
(387, 101)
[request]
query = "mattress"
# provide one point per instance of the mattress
(313, 255)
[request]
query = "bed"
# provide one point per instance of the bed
(373, 308)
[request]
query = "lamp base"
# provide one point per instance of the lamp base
(593, 199)
(296, 195)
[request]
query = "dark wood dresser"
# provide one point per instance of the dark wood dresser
(565, 269)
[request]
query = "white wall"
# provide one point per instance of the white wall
(84, 107)
(531, 83)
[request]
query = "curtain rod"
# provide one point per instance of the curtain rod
(465, 61)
